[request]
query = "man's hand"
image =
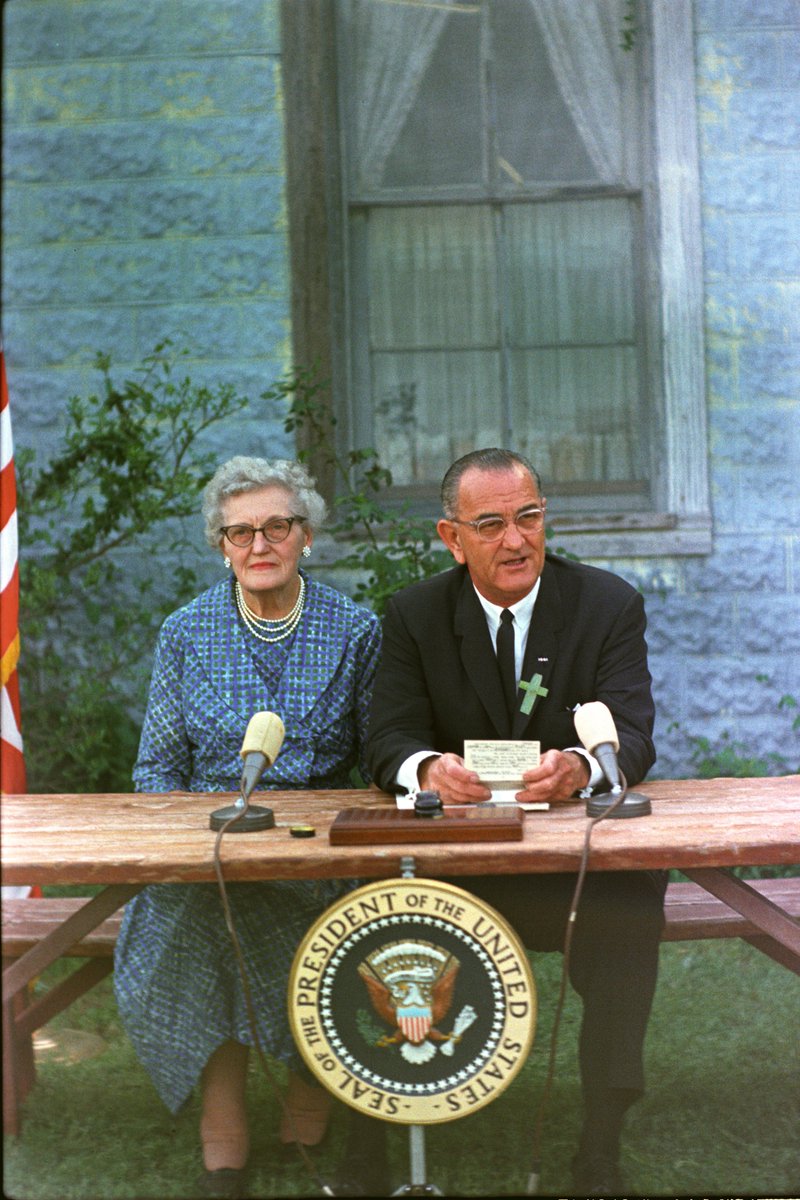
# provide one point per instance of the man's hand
(560, 774)
(447, 775)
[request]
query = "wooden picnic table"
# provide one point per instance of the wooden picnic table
(144, 838)
(123, 842)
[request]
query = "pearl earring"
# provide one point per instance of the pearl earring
(306, 551)
(227, 562)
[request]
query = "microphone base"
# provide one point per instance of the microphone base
(634, 805)
(250, 820)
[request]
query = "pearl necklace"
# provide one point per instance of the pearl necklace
(279, 629)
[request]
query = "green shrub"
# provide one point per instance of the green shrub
(129, 469)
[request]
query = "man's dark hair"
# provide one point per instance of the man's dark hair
(491, 459)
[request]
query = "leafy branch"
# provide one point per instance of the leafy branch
(130, 461)
(131, 464)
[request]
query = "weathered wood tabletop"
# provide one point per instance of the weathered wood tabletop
(105, 839)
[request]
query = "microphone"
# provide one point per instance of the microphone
(261, 746)
(598, 733)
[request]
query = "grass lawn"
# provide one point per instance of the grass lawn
(721, 1116)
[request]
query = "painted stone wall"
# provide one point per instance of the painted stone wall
(143, 197)
(725, 630)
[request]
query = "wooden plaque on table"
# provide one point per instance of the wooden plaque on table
(364, 826)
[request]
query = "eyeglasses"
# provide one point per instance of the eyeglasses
(276, 530)
(491, 529)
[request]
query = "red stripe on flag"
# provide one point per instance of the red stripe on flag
(8, 493)
(12, 768)
(9, 617)
(12, 771)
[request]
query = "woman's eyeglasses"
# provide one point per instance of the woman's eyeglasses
(276, 530)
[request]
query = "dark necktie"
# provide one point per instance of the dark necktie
(505, 658)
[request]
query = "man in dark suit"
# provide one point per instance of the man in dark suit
(575, 634)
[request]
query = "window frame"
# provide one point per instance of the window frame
(679, 520)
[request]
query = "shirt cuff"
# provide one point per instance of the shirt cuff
(596, 771)
(407, 775)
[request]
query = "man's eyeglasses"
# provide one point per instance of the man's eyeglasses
(276, 530)
(491, 529)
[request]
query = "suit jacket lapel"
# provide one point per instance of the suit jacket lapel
(478, 656)
(541, 648)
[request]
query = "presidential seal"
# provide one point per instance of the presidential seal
(413, 1001)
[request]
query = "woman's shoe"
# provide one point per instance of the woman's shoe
(226, 1183)
(305, 1119)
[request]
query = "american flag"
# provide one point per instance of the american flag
(12, 764)
(12, 770)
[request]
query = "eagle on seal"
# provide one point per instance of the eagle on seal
(411, 986)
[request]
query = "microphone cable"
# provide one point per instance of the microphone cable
(248, 998)
(536, 1163)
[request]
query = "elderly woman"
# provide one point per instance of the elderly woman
(268, 637)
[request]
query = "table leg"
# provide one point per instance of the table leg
(775, 951)
(18, 1022)
(780, 937)
(18, 1066)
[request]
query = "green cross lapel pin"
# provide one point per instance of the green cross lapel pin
(532, 689)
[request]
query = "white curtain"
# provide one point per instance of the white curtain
(583, 38)
(573, 262)
(394, 41)
(434, 334)
(436, 314)
(458, 347)
(571, 324)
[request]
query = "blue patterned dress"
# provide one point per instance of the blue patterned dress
(175, 976)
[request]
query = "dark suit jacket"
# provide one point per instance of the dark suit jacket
(438, 681)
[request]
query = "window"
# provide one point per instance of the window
(510, 229)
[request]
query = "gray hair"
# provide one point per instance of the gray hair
(491, 459)
(242, 474)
